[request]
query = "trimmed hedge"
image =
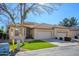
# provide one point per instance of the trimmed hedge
(56, 38)
(60, 38)
(76, 37)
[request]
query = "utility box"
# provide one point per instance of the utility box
(4, 48)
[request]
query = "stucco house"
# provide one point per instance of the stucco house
(41, 31)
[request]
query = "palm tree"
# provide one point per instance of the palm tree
(69, 22)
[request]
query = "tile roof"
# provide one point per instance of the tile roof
(44, 25)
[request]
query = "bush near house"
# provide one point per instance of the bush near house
(67, 38)
(56, 38)
(60, 38)
(2, 34)
(76, 37)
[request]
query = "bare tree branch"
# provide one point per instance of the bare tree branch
(4, 8)
(23, 9)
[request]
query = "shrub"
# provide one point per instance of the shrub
(4, 35)
(12, 43)
(56, 38)
(60, 38)
(67, 38)
(76, 37)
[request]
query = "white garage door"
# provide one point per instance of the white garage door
(61, 35)
(44, 35)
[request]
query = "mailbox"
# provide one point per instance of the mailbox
(4, 48)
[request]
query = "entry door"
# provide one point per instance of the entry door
(29, 32)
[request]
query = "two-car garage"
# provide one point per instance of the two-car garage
(50, 33)
(61, 34)
(43, 34)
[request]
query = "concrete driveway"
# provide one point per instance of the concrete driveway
(57, 51)
(64, 49)
(61, 42)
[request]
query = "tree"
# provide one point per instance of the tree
(74, 21)
(69, 22)
(19, 12)
(2, 33)
(2, 28)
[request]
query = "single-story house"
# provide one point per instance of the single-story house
(41, 31)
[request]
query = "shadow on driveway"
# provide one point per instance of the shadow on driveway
(57, 40)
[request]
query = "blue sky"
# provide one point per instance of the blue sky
(64, 11)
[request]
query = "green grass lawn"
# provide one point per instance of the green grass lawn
(36, 44)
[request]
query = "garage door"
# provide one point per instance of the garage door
(44, 35)
(61, 35)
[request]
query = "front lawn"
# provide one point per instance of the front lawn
(36, 44)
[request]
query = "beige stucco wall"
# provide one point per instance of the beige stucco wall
(32, 33)
(74, 33)
(11, 32)
(62, 30)
(21, 33)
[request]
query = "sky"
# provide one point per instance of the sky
(64, 11)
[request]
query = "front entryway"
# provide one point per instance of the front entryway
(29, 33)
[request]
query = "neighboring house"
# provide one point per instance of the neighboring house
(41, 31)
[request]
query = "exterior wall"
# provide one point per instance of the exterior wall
(21, 33)
(77, 32)
(54, 31)
(61, 30)
(74, 33)
(32, 33)
(11, 33)
(45, 30)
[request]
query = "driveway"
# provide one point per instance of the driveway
(61, 42)
(72, 50)
(64, 49)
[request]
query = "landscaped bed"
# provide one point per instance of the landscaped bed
(35, 44)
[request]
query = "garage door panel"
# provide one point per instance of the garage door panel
(43, 35)
(61, 35)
